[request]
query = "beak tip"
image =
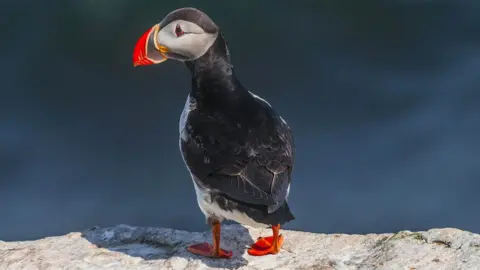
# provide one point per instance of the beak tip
(142, 62)
(140, 52)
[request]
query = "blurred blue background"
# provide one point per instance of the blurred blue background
(383, 98)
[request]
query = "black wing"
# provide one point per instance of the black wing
(254, 168)
(263, 178)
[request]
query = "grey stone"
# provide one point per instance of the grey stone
(127, 247)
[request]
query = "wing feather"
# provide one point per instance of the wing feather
(255, 169)
(262, 178)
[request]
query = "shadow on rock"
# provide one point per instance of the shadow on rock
(163, 244)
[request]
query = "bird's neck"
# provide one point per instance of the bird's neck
(213, 74)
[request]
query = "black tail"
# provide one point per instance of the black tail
(281, 216)
(268, 215)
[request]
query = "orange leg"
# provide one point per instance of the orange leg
(267, 245)
(207, 250)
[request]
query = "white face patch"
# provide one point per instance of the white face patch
(191, 44)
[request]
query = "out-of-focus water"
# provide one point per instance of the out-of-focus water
(383, 98)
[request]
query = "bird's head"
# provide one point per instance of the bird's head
(184, 34)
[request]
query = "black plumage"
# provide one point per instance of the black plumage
(239, 151)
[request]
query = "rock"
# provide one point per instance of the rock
(126, 247)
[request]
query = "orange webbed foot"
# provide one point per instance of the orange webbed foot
(263, 242)
(265, 246)
(207, 250)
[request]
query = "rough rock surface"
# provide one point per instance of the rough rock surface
(126, 247)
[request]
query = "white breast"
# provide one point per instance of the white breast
(190, 105)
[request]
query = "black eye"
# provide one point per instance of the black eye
(178, 31)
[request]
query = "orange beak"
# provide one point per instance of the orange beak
(147, 51)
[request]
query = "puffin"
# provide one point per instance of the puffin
(238, 150)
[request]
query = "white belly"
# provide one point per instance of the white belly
(212, 209)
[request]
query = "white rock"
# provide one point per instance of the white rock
(126, 247)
